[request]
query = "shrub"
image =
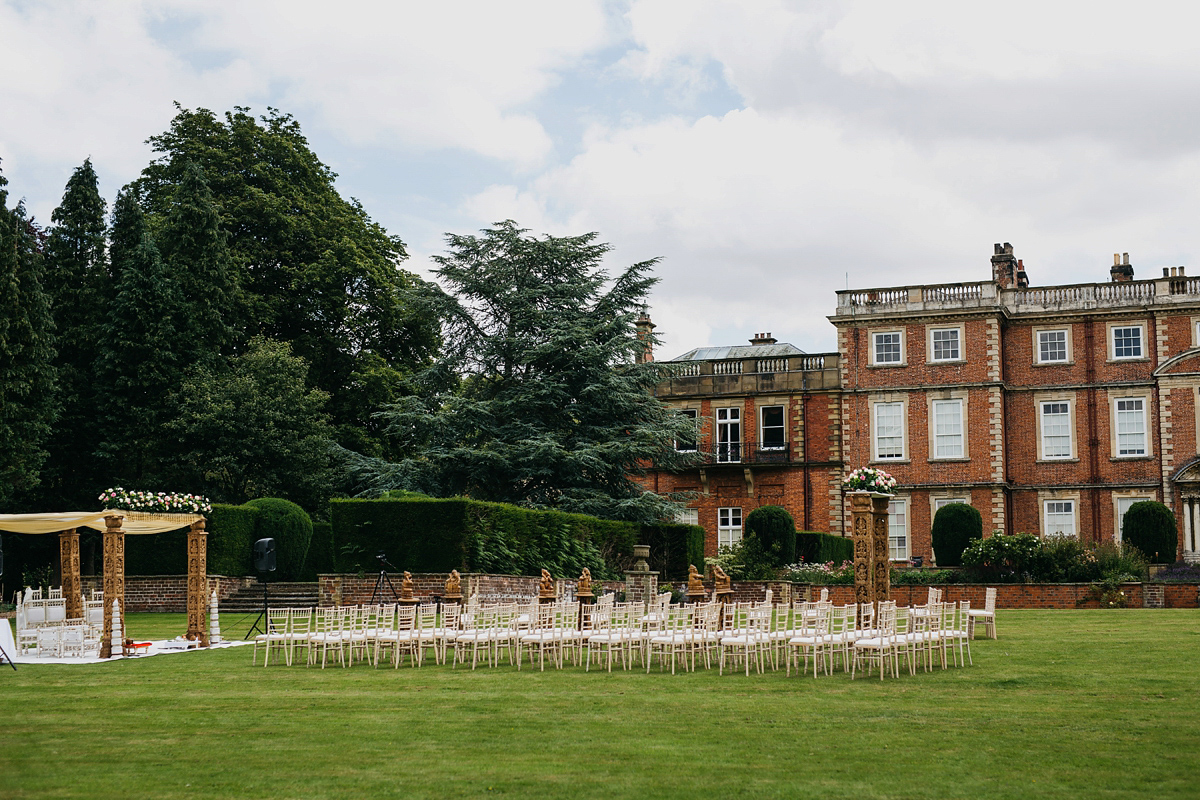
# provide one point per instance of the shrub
(745, 561)
(955, 526)
(1063, 558)
(320, 552)
(1001, 558)
(1120, 561)
(822, 573)
(775, 532)
(672, 548)
(230, 539)
(924, 577)
(1150, 527)
(291, 528)
(821, 548)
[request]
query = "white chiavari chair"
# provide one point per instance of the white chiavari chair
(813, 640)
(299, 627)
(327, 635)
(747, 637)
(276, 635)
(675, 638)
(882, 646)
(446, 631)
(985, 615)
(480, 633)
(956, 633)
(541, 637)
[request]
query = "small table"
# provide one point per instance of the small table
(133, 649)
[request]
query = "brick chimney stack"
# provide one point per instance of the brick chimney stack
(763, 338)
(645, 332)
(1121, 270)
(1004, 266)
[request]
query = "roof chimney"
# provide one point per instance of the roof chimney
(645, 333)
(1121, 270)
(1004, 266)
(1022, 278)
(763, 338)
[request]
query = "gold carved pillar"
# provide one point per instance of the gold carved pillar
(197, 585)
(872, 562)
(72, 588)
(114, 577)
(864, 547)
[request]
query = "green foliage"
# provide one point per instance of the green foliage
(231, 536)
(821, 548)
(291, 528)
(955, 526)
(1150, 527)
(745, 561)
(27, 379)
(440, 535)
(253, 430)
(775, 531)
(1026, 558)
(925, 577)
(1001, 558)
(673, 547)
(537, 400)
(311, 268)
(320, 558)
(823, 573)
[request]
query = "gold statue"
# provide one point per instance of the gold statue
(584, 588)
(406, 586)
(546, 586)
(721, 580)
(695, 582)
(454, 584)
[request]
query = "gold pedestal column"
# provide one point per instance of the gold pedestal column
(72, 586)
(114, 577)
(872, 563)
(882, 579)
(197, 586)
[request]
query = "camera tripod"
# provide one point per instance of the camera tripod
(383, 580)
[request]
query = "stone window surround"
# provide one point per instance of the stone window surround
(1142, 394)
(740, 527)
(1195, 321)
(766, 402)
(872, 332)
(962, 343)
(1111, 349)
(875, 400)
(907, 501)
(1059, 495)
(1055, 397)
(1037, 345)
(946, 394)
(693, 405)
(1132, 494)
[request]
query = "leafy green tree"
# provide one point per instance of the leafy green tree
(142, 350)
(77, 282)
(1150, 527)
(195, 251)
(955, 526)
(27, 403)
(775, 531)
(313, 269)
(291, 527)
(254, 430)
(537, 399)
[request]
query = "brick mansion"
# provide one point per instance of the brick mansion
(1049, 409)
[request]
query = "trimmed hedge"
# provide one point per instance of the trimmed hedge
(775, 530)
(955, 526)
(320, 552)
(291, 527)
(1150, 527)
(423, 535)
(231, 533)
(819, 548)
(673, 547)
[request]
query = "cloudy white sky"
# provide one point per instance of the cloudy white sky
(769, 152)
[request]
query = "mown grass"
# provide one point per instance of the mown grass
(1066, 704)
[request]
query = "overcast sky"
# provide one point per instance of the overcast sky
(768, 152)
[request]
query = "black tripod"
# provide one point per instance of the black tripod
(383, 580)
(262, 615)
(4, 652)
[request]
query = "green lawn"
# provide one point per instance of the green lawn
(1066, 704)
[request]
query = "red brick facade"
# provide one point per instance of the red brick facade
(996, 393)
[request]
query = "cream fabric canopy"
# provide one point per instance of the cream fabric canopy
(135, 522)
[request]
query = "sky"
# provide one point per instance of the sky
(769, 153)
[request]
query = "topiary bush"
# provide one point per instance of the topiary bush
(231, 539)
(291, 527)
(1150, 527)
(775, 532)
(955, 526)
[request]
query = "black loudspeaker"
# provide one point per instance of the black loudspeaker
(264, 555)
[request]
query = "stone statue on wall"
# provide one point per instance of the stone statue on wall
(695, 581)
(546, 585)
(584, 588)
(406, 586)
(721, 579)
(453, 584)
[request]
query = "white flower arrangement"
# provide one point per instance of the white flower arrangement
(871, 480)
(155, 502)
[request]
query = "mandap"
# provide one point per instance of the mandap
(114, 525)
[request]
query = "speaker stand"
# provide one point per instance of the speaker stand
(262, 617)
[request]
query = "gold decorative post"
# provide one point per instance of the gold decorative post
(72, 586)
(872, 562)
(197, 586)
(882, 579)
(114, 577)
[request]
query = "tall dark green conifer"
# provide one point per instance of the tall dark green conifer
(27, 403)
(195, 251)
(77, 281)
(141, 349)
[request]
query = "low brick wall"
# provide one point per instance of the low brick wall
(1023, 595)
(164, 592)
(353, 589)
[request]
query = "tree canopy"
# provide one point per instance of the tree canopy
(539, 398)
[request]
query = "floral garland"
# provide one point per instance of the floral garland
(871, 480)
(161, 502)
